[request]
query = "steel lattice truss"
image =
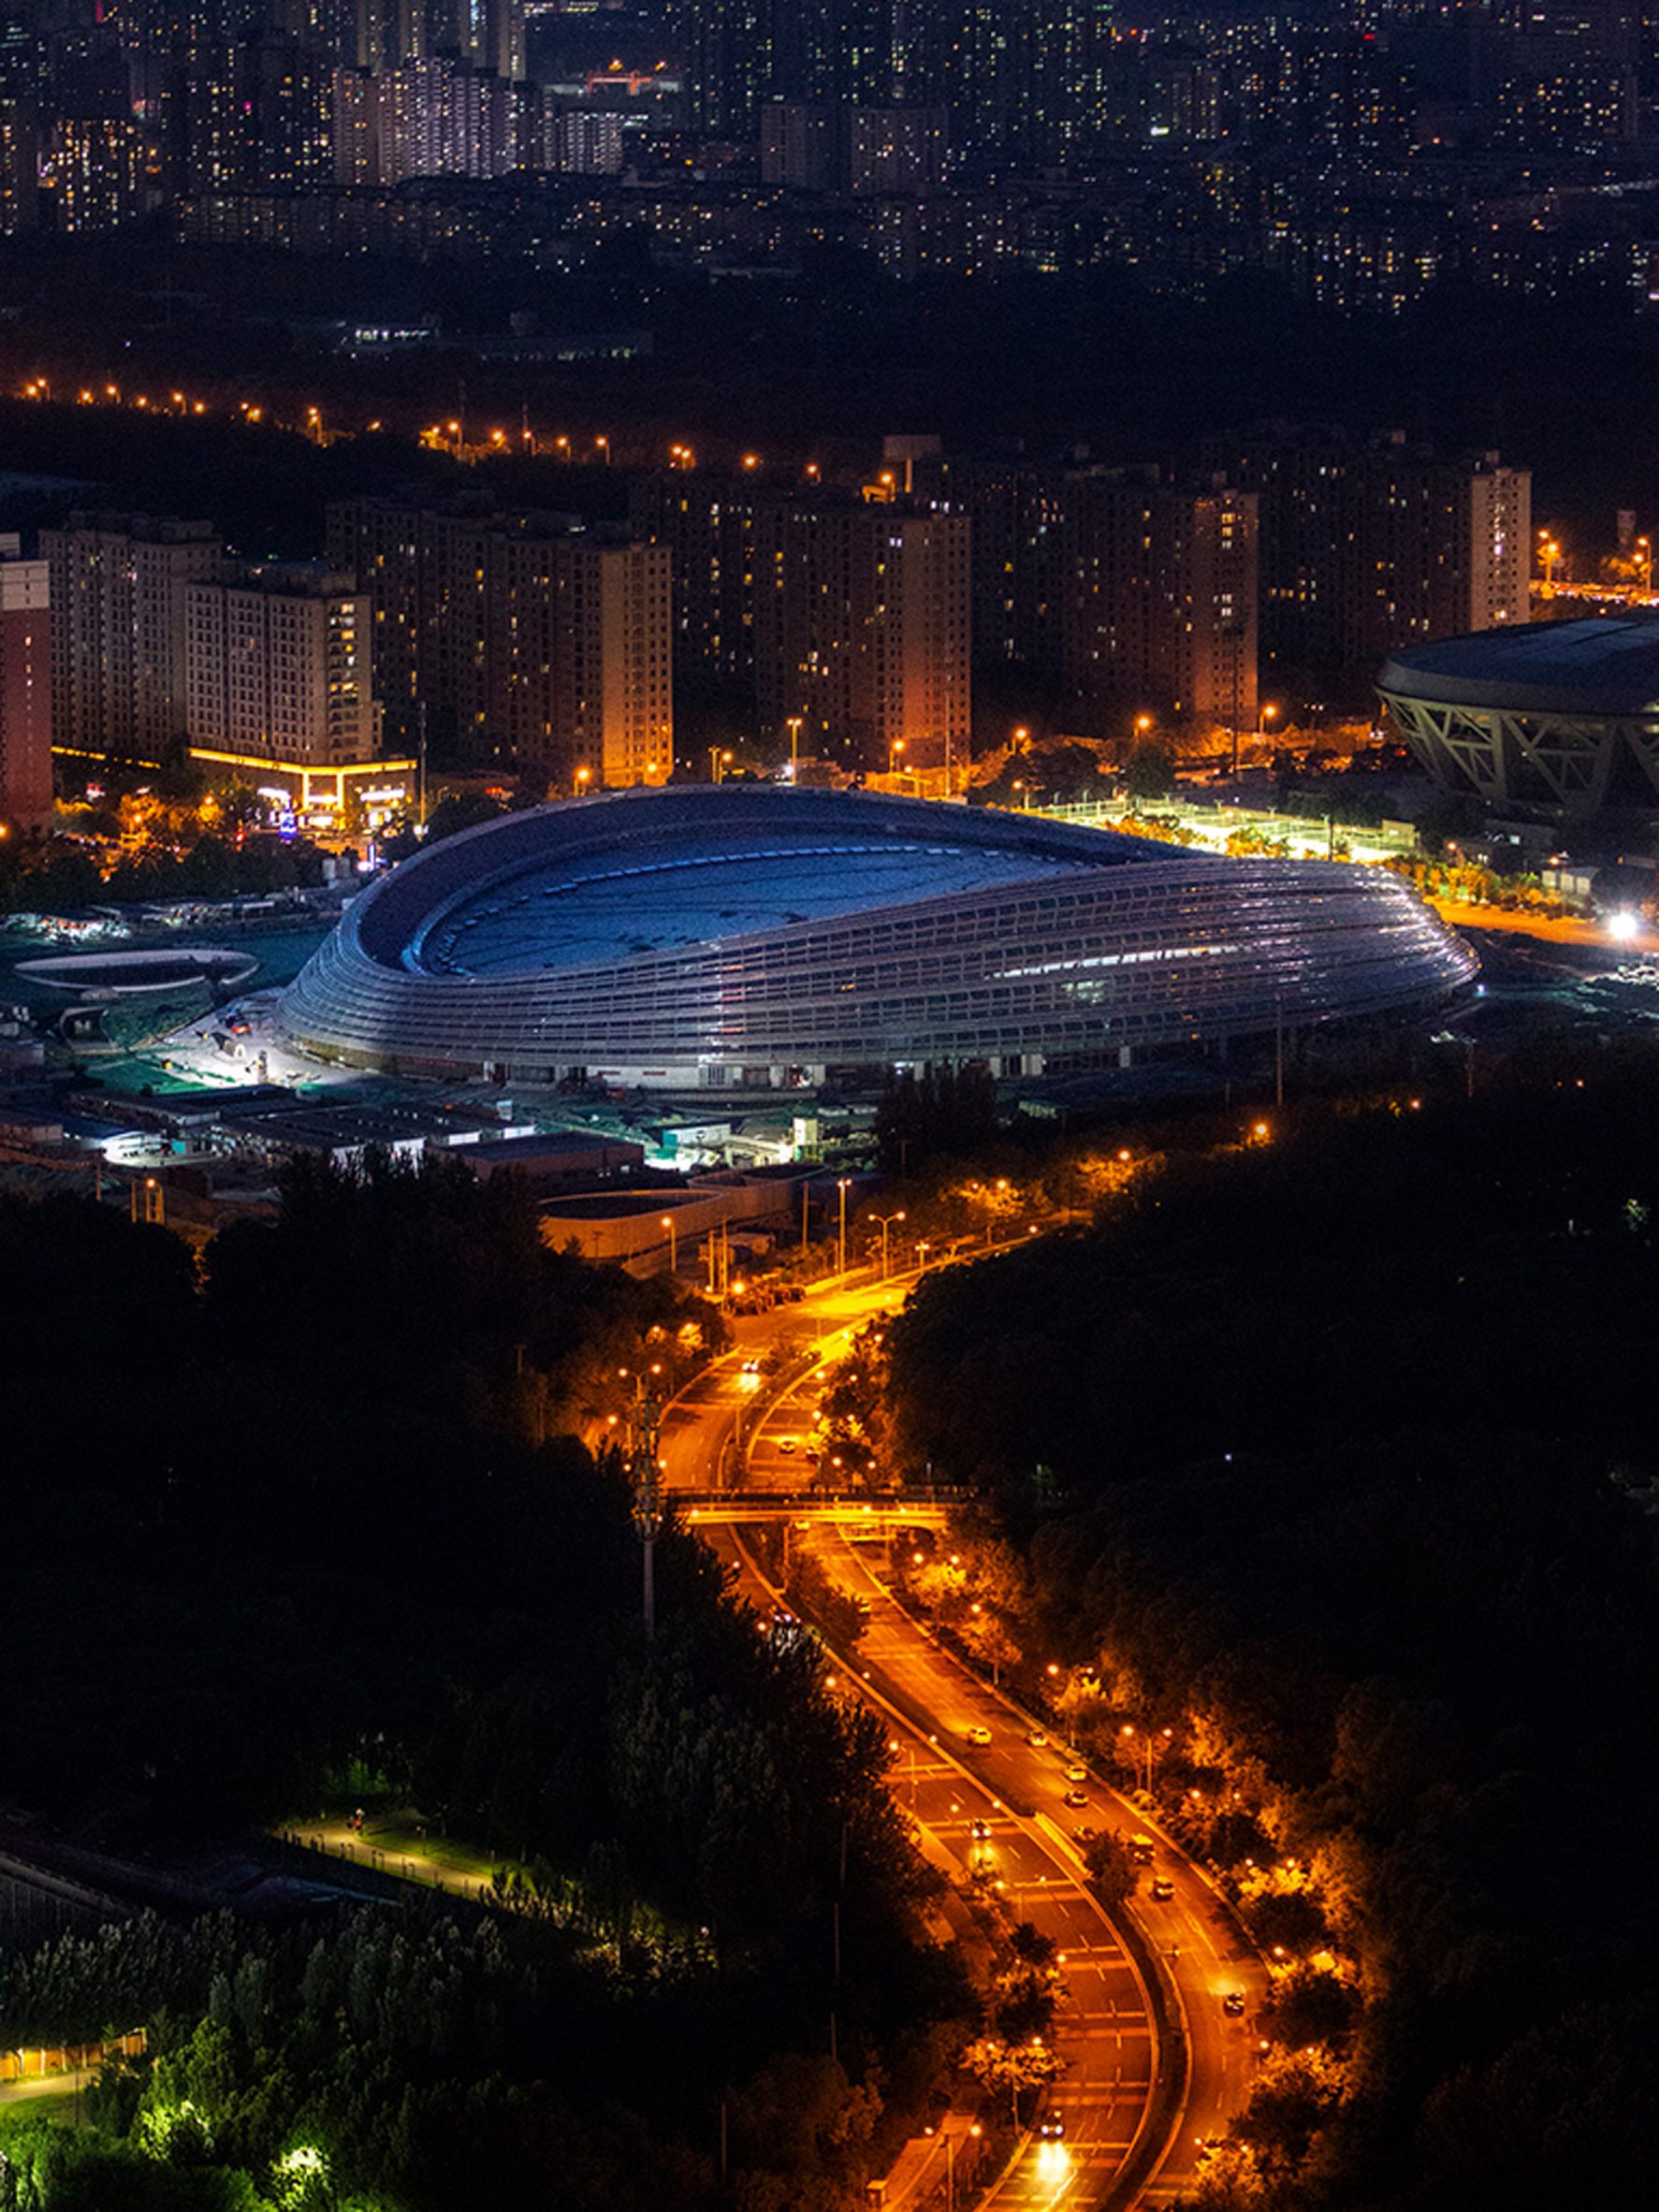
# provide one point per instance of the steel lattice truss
(1506, 758)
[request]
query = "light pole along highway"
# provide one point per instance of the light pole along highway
(1124, 2143)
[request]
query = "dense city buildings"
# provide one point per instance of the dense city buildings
(1370, 544)
(118, 585)
(279, 669)
(521, 641)
(862, 633)
(1157, 599)
(842, 618)
(1364, 156)
(25, 687)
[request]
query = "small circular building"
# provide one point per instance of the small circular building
(751, 936)
(1557, 715)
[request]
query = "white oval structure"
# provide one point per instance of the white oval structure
(754, 934)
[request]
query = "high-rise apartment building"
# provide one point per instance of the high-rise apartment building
(1157, 599)
(117, 586)
(258, 114)
(25, 687)
(862, 630)
(526, 641)
(97, 173)
(710, 524)
(1369, 545)
(738, 54)
(279, 668)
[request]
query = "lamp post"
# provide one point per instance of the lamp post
(720, 760)
(841, 1238)
(885, 1222)
(1148, 1747)
(991, 1212)
(1268, 714)
(644, 1475)
(672, 1244)
(893, 752)
(1644, 548)
(793, 726)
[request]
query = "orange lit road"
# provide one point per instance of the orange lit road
(1102, 2029)
(1192, 1932)
(953, 1790)
(707, 1428)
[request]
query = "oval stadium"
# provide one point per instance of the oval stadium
(751, 936)
(1563, 716)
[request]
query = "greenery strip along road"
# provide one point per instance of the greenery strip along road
(1152, 2168)
(1191, 1939)
(1104, 2026)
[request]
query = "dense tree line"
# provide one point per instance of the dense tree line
(59, 875)
(1333, 1456)
(314, 1507)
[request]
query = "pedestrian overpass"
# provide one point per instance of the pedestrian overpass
(725, 1508)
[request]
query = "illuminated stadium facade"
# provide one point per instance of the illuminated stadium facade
(1562, 716)
(751, 936)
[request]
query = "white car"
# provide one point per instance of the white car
(1077, 1773)
(1036, 1738)
(979, 1733)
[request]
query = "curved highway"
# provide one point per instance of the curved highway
(734, 1427)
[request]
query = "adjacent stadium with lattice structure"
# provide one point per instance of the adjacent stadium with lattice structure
(750, 935)
(1562, 716)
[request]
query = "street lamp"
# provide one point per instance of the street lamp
(719, 760)
(1645, 549)
(991, 1211)
(1148, 1746)
(1267, 715)
(841, 1239)
(793, 724)
(672, 1244)
(893, 750)
(885, 1222)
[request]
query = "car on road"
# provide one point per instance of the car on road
(1077, 1773)
(752, 1367)
(1036, 1738)
(979, 1733)
(1076, 1797)
(1232, 2004)
(1163, 1889)
(787, 1444)
(1052, 2129)
(980, 1830)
